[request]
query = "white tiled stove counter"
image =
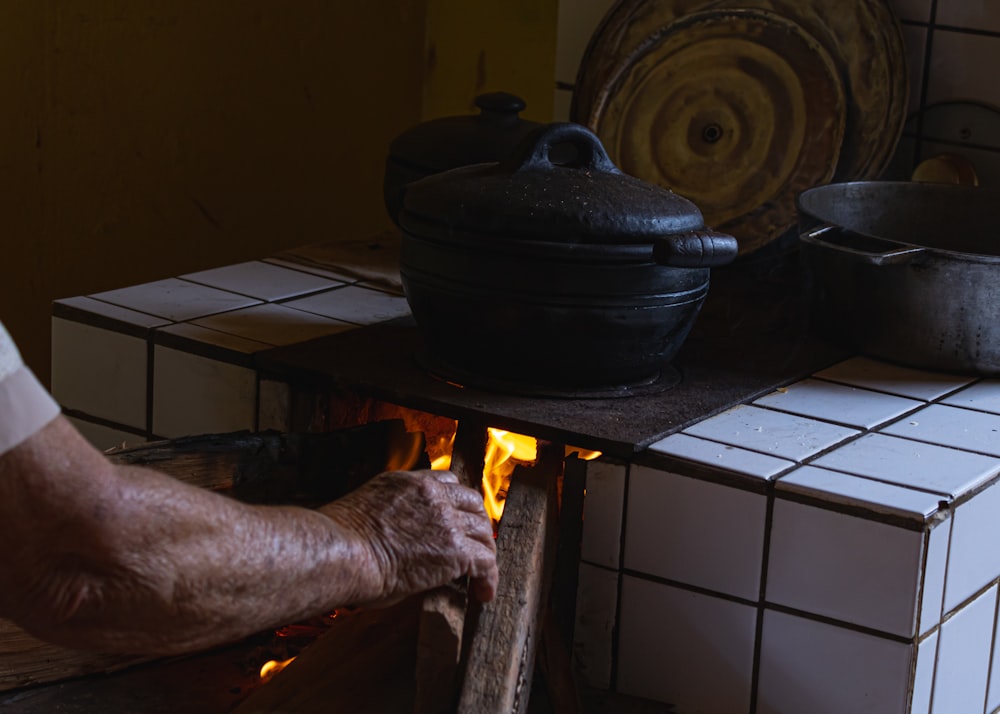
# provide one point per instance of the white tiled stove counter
(176, 357)
(833, 546)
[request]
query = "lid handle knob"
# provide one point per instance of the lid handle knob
(499, 105)
(579, 146)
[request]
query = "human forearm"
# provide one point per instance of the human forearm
(132, 560)
(126, 559)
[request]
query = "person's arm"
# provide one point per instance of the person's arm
(125, 559)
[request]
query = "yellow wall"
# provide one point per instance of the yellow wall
(488, 46)
(143, 139)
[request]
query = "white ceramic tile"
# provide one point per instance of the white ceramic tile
(783, 435)
(844, 567)
(915, 41)
(274, 324)
(175, 299)
(355, 304)
(958, 125)
(847, 489)
(576, 22)
(903, 161)
(935, 567)
(963, 660)
(951, 426)
(374, 259)
(923, 675)
(840, 403)
(111, 312)
(196, 395)
(915, 10)
(603, 507)
(983, 396)
(382, 287)
(974, 558)
(911, 463)
(969, 14)
(695, 532)
(593, 632)
(691, 650)
(261, 280)
(993, 695)
(723, 456)
(205, 336)
(323, 272)
(99, 372)
(104, 437)
(810, 667)
(959, 67)
(893, 379)
(275, 409)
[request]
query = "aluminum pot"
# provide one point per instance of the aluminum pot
(542, 277)
(907, 272)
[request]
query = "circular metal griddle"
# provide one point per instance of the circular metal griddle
(741, 108)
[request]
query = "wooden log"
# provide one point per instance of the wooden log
(276, 467)
(500, 666)
(556, 666)
(27, 661)
(363, 665)
(443, 615)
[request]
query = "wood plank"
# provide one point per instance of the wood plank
(273, 467)
(501, 659)
(363, 665)
(26, 660)
(443, 615)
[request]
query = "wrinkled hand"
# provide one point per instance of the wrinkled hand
(424, 529)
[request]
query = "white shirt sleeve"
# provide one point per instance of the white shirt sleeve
(25, 405)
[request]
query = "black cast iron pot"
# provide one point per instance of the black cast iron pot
(449, 142)
(548, 278)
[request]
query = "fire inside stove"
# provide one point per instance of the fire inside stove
(505, 451)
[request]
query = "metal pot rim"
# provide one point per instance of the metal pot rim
(913, 195)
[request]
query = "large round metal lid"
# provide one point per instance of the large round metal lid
(450, 142)
(558, 186)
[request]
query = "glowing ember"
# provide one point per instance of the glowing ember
(272, 667)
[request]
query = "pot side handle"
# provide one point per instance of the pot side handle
(697, 249)
(895, 254)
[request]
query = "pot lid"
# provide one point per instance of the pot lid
(450, 142)
(557, 186)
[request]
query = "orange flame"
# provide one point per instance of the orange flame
(582, 454)
(272, 667)
(443, 447)
(504, 451)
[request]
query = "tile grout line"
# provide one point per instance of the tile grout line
(993, 644)
(762, 599)
(924, 83)
(941, 613)
(616, 628)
